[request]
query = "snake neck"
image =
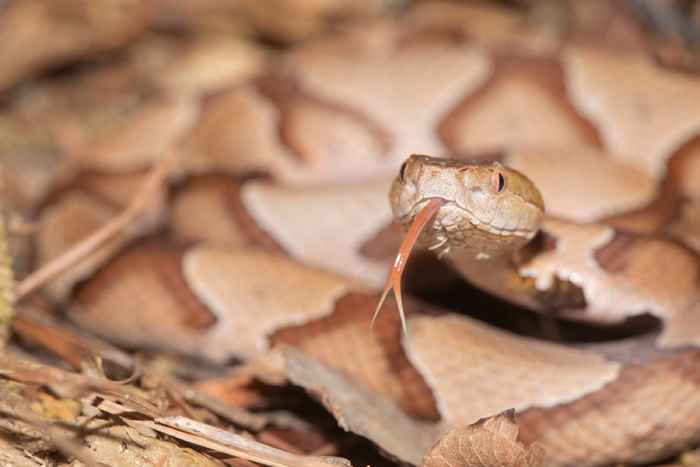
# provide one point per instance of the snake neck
(496, 274)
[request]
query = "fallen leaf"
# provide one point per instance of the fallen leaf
(490, 442)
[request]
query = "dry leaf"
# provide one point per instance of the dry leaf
(490, 442)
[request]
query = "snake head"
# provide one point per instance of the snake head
(488, 209)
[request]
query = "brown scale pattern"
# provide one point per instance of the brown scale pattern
(214, 144)
(666, 210)
(145, 299)
(114, 189)
(651, 410)
(383, 244)
(652, 218)
(611, 256)
(514, 82)
(295, 103)
(375, 359)
(221, 213)
(77, 207)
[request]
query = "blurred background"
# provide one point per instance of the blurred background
(107, 86)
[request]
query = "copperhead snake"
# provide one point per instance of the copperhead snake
(478, 217)
(631, 401)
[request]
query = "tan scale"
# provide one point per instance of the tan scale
(89, 202)
(143, 297)
(143, 139)
(268, 137)
(558, 173)
(638, 286)
(251, 144)
(343, 218)
(640, 126)
(688, 173)
(200, 211)
(210, 64)
(686, 226)
(268, 285)
(495, 121)
(487, 24)
(374, 360)
(485, 362)
(406, 90)
(649, 412)
(344, 149)
(212, 301)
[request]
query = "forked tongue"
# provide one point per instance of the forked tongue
(393, 282)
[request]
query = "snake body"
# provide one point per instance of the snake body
(281, 256)
(632, 401)
(489, 214)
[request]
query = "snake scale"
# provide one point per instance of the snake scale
(278, 223)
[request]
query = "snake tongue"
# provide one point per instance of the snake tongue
(393, 281)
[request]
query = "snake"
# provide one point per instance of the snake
(618, 189)
(480, 217)
(633, 400)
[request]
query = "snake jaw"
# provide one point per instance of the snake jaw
(393, 282)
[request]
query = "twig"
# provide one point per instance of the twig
(240, 446)
(70, 347)
(223, 441)
(73, 385)
(70, 258)
(233, 414)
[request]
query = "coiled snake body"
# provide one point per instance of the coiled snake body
(609, 137)
(647, 394)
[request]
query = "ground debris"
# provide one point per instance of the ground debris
(48, 409)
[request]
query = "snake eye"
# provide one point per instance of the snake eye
(498, 182)
(402, 171)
